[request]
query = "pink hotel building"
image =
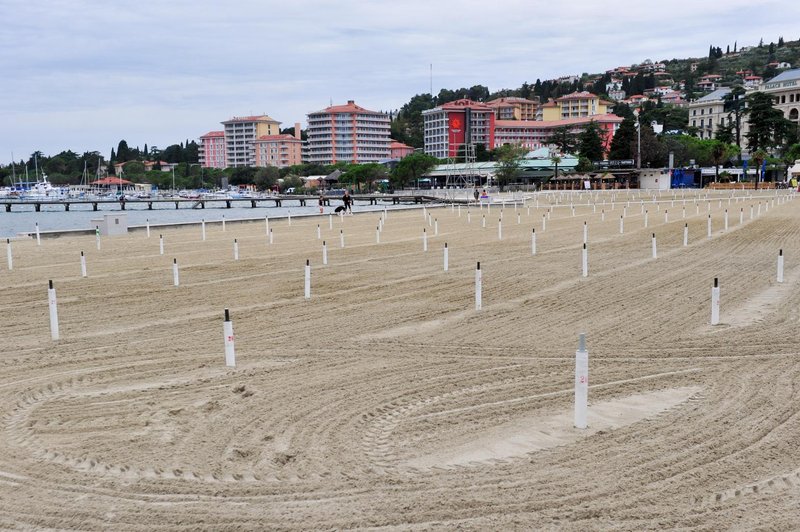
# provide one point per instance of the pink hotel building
(212, 150)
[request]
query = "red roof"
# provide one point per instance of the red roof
(577, 95)
(507, 100)
(397, 145)
(465, 103)
(284, 137)
(112, 181)
(259, 118)
(349, 107)
(213, 134)
(545, 124)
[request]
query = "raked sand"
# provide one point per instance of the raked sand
(386, 400)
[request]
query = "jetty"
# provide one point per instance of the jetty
(201, 203)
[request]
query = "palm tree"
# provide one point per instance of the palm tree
(555, 159)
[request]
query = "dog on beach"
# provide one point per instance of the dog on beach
(339, 209)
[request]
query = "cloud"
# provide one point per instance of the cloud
(82, 74)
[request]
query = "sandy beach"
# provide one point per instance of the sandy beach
(386, 400)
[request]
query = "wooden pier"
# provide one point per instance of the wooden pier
(227, 203)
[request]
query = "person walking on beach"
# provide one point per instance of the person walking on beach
(476, 194)
(321, 203)
(346, 199)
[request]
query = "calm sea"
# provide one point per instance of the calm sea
(23, 218)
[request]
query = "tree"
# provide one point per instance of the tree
(758, 157)
(720, 152)
(734, 104)
(411, 168)
(590, 142)
(768, 127)
(555, 159)
(507, 158)
(265, 178)
(623, 146)
(563, 139)
(789, 155)
(363, 173)
(123, 152)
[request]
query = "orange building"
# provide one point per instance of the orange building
(398, 150)
(279, 150)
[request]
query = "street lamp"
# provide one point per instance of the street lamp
(638, 138)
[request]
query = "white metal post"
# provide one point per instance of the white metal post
(83, 265)
(715, 302)
(478, 288)
(307, 291)
(230, 351)
(585, 261)
(581, 383)
(53, 305)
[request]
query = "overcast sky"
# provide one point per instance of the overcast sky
(83, 74)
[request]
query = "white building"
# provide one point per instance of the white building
(348, 133)
(241, 132)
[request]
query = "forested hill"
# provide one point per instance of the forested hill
(725, 59)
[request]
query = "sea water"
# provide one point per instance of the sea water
(23, 218)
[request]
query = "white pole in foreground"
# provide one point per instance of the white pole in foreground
(319, 233)
(655, 254)
(446, 257)
(780, 266)
(203, 226)
(341, 238)
(621, 225)
(500, 229)
(330, 222)
(378, 235)
(51, 302)
(685, 234)
(726, 219)
(223, 223)
(266, 224)
(585, 261)
(9, 255)
(97, 236)
(533, 241)
(585, 233)
(715, 303)
(147, 221)
(324, 253)
(270, 236)
(235, 249)
(175, 278)
(83, 265)
(424, 240)
(308, 280)
(478, 288)
(160, 244)
(709, 226)
(230, 352)
(436, 226)
(39, 240)
(581, 383)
